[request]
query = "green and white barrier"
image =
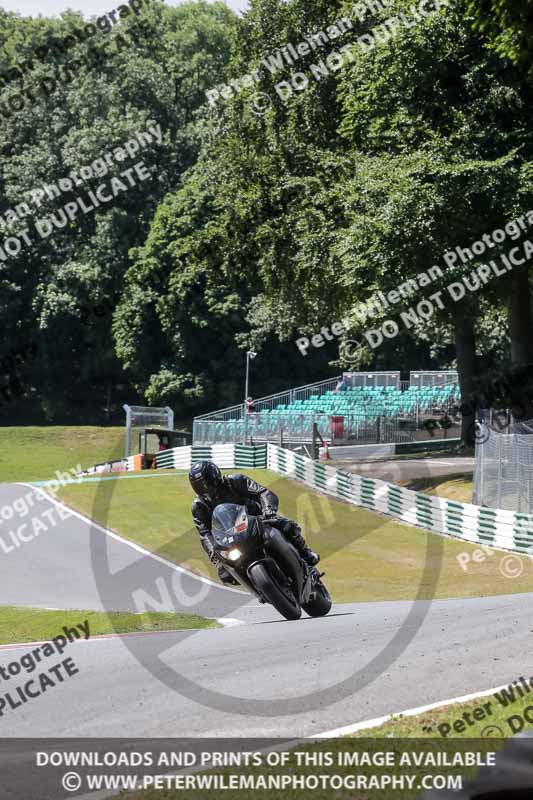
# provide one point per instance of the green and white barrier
(508, 530)
(227, 456)
(118, 465)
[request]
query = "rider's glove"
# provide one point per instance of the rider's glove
(269, 512)
(285, 526)
(207, 544)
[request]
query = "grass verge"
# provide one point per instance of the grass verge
(365, 556)
(34, 453)
(499, 715)
(22, 624)
(406, 739)
(457, 486)
(362, 782)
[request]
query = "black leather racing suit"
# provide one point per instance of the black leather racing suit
(243, 491)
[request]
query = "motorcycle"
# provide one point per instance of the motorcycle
(259, 557)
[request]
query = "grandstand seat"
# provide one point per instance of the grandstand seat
(359, 405)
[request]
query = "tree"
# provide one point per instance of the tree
(508, 25)
(458, 129)
(149, 71)
(433, 153)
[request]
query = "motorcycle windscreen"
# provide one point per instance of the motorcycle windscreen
(228, 520)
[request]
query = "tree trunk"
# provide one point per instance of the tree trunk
(465, 346)
(108, 401)
(519, 317)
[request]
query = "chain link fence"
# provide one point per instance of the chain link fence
(503, 473)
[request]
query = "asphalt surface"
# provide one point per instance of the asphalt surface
(59, 567)
(403, 470)
(209, 682)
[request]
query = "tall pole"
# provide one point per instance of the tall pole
(247, 381)
(249, 354)
(127, 446)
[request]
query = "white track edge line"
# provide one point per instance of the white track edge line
(373, 723)
(106, 794)
(127, 542)
(411, 712)
(106, 637)
(229, 622)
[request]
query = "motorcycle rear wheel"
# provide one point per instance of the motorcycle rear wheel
(277, 596)
(320, 605)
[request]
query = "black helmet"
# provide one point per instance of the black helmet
(204, 477)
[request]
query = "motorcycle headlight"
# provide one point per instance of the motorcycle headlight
(234, 554)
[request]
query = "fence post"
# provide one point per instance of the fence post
(315, 447)
(480, 467)
(526, 466)
(127, 445)
(499, 501)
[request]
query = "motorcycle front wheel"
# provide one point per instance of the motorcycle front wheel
(282, 598)
(320, 605)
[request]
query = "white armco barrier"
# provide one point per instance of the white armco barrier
(349, 452)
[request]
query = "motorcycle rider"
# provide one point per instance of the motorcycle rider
(211, 488)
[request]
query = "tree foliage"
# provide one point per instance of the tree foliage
(508, 24)
(151, 70)
(269, 218)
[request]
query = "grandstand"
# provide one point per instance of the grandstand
(371, 402)
(362, 407)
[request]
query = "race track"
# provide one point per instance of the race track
(404, 470)
(461, 646)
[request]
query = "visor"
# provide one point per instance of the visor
(200, 486)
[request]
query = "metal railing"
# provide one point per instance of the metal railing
(257, 428)
(373, 379)
(503, 472)
(270, 401)
(232, 412)
(433, 378)
(233, 425)
(346, 429)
